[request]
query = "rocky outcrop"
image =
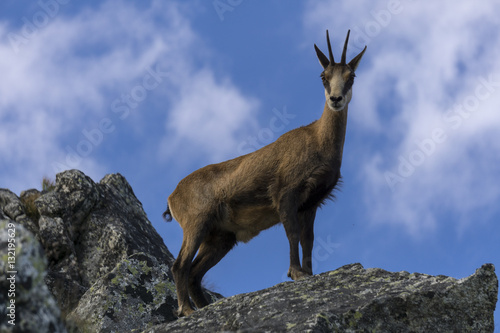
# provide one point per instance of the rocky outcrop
(135, 295)
(108, 269)
(87, 259)
(354, 299)
(87, 229)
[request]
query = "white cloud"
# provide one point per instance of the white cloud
(207, 116)
(55, 79)
(64, 76)
(424, 61)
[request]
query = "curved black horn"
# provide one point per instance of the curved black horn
(343, 60)
(330, 53)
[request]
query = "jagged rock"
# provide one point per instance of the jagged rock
(87, 229)
(26, 304)
(14, 209)
(101, 251)
(354, 299)
(138, 293)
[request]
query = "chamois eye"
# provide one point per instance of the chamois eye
(350, 81)
(323, 78)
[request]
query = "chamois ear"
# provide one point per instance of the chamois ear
(323, 60)
(355, 61)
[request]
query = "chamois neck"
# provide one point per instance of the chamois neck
(331, 131)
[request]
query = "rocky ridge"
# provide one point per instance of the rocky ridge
(355, 299)
(88, 260)
(106, 266)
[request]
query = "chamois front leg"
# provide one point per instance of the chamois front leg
(307, 238)
(290, 221)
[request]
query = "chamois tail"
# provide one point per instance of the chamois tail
(167, 215)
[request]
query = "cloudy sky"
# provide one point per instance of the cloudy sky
(155, 90)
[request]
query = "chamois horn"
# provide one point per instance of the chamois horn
(343, 59)
(330, 53)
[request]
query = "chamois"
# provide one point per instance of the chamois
(285, 181)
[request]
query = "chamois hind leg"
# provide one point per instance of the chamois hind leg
(212, 250)
(182, 266)
(307, 238)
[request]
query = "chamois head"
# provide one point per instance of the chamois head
(338, 77)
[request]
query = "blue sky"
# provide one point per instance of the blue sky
(155, 90)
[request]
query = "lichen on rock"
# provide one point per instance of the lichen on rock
(355, 299)
(90, 231)
(138, 290)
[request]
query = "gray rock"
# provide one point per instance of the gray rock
(104, 256)
(87, 229)
(11, 205)
(354, 299)
(14, 208)
(138, 293)
(26, 304)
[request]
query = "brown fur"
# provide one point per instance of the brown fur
(285, 181)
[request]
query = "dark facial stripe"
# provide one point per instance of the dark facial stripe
(348, 85)
(326, 83)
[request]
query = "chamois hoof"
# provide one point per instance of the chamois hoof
(184, 312)
(297, 274)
